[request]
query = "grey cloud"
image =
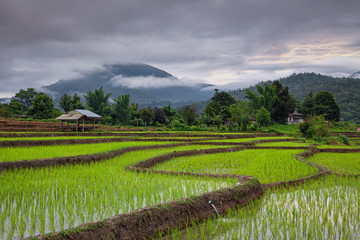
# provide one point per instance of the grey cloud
(46, 40)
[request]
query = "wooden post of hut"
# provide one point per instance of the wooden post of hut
(83, 121)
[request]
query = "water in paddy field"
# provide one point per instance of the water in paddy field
(327, 211)
(45, 215)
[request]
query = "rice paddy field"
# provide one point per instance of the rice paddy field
(47, 199)
(328, 208)
(267, 165)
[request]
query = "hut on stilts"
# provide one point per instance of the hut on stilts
(78, 115)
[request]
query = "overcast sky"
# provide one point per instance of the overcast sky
(231, 42)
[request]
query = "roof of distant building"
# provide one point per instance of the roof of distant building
(78, 114)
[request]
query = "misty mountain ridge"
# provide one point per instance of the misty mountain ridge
(144, 83)
(355, 75)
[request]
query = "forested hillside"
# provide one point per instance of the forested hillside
(346, 91)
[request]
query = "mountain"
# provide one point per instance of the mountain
(345, 90)
(355, 75)
(5, 100)
(146, 85)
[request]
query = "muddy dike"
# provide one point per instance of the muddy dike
(276, 140)
(138, 134)
(32, 143)
(340, 150)
(276, 147)
(252, 135)
(146, 223)
(117, 134)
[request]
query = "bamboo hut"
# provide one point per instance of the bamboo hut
(79, 115)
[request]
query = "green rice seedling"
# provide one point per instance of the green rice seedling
(96, 191)
(345, 163)
(40, 152)
(268, 165)
(315, 211)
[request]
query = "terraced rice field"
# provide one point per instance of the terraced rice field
(267, 165)
(327, 208)
(343, 163)
(161, 189)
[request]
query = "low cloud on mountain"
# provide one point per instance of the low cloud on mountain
(147, 82)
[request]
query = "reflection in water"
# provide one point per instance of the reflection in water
(323, 209)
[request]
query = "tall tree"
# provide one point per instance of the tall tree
(159, 115)
(223, 98)
(147, 116)
(43, 107)
(263, 117)
(188, 114)
(122, 110)
(98, 101)
(284, 103)
(219, 106)
(65, 102)
(240, 114)
(266, 97)
(135, 115)
(325, 104)
(170, 113)
(26, 97)
(75, 102)
(15, 106)
(5, 111)
(308, 104)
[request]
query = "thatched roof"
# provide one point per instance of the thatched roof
(78, 114)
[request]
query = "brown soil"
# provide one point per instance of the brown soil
(14, 125)
(27, 143)
(340, 150)
(348, 134)
(276, 140)
(137, 134)
(277, 147)
(253, 135)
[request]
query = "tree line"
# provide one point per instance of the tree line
(269, 103)
(345, 90)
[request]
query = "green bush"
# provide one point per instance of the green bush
(315, 127)
(178, 126)
(344, 139)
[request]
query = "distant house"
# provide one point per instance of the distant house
(295, 117)
(79, 115)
